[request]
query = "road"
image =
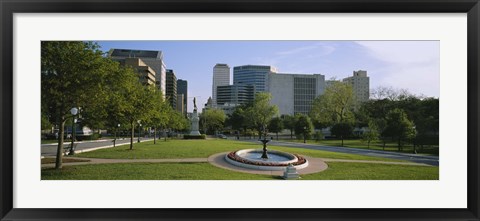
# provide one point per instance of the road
(430, 160)
(51, 149)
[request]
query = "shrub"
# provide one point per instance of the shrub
(193, 137)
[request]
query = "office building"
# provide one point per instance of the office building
(253, 75)
(180, 105)
(294, 93)
(182, 89)
(360, 83)
(235, 94)
(171, 88)
(146, 75)
(154, 59)
(221, 77)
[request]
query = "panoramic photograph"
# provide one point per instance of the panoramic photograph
(240, 110)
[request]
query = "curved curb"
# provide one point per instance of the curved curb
(315, 165)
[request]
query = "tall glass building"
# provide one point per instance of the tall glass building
(253, 75)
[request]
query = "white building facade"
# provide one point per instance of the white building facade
(221, 77)
(360, 83)
(294, 93)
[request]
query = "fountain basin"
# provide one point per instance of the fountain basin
(251, 159)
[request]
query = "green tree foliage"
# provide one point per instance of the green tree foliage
(276, 125)
(213, 120)
(238, 119)
(289, 123)
(334, 106)
(399, 127)
(73, 74)
(261, 112)
(372, 134)
(303, 126)
(160, 114)
(342, 130)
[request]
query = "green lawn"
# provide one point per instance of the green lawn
(357, 143)
(148, 171)
(368, 171)
(174, 149)
(205, 171)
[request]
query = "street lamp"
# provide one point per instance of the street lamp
(139, 125)
(73, 111)
(115, 139)
(304, 134)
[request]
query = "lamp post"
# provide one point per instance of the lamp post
(73, 111)
(304, 134)
(139, 125)
(115, 139)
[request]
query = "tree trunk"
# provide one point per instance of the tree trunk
(277, 136)
(132, 124)
(368, 145)
(291, 133)
(61, 132)
(342, 140)
(155, 135)
(165, 135)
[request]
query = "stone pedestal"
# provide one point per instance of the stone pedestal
(290, 173)
(194, 123)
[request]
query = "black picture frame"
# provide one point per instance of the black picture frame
(9, 7)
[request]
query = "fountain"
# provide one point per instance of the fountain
(261, 159)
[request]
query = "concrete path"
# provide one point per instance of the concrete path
(105, 161)
(86, 146)
(422, 159)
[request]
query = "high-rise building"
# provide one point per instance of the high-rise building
(360, 83)
(221, 77)
(294, 93)
(253, 75)
(171, 88)
(180, 104)
(153, 59)
(146, 74)
(182, 88)
(235, 94)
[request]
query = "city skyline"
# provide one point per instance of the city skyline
(411, 65)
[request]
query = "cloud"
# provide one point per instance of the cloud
(412, 65)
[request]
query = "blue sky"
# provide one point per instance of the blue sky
(411, 65)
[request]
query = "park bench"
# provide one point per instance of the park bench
(66, 149)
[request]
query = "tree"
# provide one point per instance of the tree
(303, 126)
(160, 116)
(334, 106)
(289, 123)
(140, 101)
(342, 130)
(372, 133)
(213, 119)
(73, 74)
(399, 127)
(276, 125)
(261, 112)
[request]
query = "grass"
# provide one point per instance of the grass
(205, 171)
(175, 149)
(64, 160)
(368, 171)
(357, 143)
(148, 171)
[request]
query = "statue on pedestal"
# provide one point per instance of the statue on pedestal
(194, 119)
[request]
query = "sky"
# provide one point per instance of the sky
(411, 65)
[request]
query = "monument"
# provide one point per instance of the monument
(194, 120)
